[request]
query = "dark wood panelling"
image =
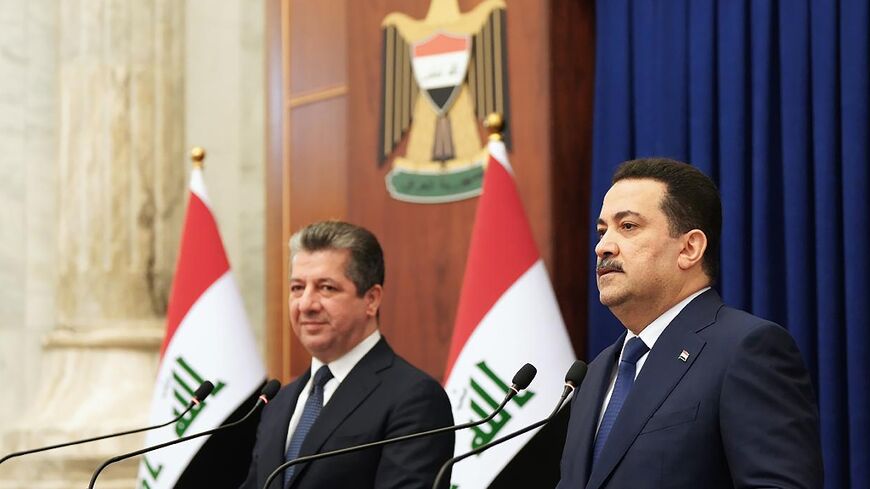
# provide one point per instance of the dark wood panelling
(317, 151)
(318, 156)
(318, 46)
(530, 71)
(275, 272)
(424, 245)
(330, 158)
(572, 41)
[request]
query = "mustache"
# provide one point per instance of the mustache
(312, 316)
(609, 264)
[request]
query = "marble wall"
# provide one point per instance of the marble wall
(52, 220)
(224, 112)
(28, 195)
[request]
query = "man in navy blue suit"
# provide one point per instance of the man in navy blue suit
(694, 394)
(357, 389)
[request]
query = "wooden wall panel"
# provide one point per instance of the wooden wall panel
(529, 80)
(424, 245)
(307, 112)
(572, 64)
(318, 46)
(276, 291)
(318, 188)
(330, 114)
(317, 114)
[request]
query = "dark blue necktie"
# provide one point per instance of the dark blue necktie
(309, 414)
(634, 349)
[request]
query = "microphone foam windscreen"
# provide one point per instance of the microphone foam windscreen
(524, 376)
(576, 373)
(203, 390)
(271, 388)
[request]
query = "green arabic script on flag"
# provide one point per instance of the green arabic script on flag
(482, 436)
(185, 376)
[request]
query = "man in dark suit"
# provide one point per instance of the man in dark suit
(694, 394)
(360, 390)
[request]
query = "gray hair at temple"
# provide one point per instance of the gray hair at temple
(366, 265)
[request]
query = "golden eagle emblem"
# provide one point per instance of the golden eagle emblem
(443, 73)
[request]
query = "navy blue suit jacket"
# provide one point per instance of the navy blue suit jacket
(738, 412)
(383, 396)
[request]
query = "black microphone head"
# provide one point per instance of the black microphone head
(524, 376)
(203, 391)
(576, 373)
(270, 389)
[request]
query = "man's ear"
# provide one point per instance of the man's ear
(373, 299)
(694, 246)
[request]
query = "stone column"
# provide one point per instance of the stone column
(121, 192)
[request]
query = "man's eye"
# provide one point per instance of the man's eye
(296, 288)
(328, 288)
(628, 226)
(601, 233)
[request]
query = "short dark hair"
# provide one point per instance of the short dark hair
(366, 265)
(692, 201)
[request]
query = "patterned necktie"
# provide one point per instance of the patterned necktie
(634, 349)
(309, 415)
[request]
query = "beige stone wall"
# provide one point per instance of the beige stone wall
(120, 183)
(100, 102)
(224, 113)
(28, 195)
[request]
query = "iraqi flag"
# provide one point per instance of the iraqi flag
(439, 64)
(507, 316)
(208, 337)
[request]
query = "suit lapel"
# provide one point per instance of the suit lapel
(588, 402)
(661, 372)
(282, 407)
(356, 387)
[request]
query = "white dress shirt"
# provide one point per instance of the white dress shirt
(649, 336)
(340, 368)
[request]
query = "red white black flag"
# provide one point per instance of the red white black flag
(208, 337)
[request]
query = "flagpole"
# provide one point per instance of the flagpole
(207, 335)
(507, 308)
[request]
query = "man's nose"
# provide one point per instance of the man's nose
(309, 299)
(605, 246)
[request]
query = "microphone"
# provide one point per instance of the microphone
(573, 379)
(521, 380)
(201, 393)
(266, 395)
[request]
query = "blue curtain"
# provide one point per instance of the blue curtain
(769, 98)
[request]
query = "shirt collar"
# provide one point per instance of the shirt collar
(651, 333)
(342, 366)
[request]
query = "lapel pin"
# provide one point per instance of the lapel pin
(684, 355)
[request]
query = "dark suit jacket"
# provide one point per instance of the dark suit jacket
(383, 396)
(739, 412)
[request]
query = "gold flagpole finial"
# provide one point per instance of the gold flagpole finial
(494, 123)
(197, 156)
